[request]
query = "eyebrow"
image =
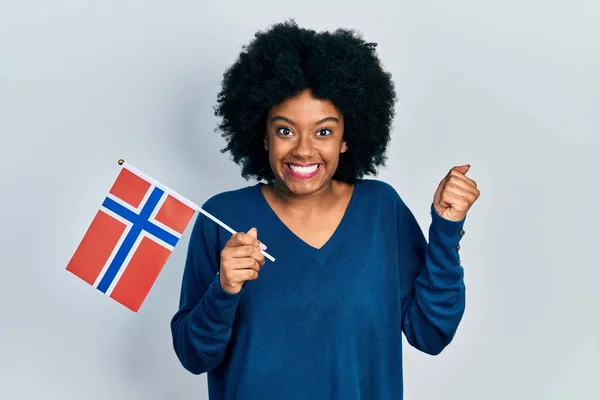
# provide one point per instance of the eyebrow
(289, 121)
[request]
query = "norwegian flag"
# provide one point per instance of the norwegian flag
(131, 237)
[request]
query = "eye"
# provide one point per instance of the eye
(284, 131)
(324, 132)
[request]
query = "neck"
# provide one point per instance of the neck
(304, 207)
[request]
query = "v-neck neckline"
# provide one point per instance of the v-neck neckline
(320, 255)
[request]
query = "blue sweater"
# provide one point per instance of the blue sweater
(319, 323)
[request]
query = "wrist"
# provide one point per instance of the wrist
(445, 229)
(228, 288)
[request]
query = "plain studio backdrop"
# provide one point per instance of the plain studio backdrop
(510, 87)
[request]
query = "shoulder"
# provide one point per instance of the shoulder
(379, 191)
(382, 198)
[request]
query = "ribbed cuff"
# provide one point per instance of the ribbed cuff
(445, 230)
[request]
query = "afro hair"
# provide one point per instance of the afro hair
(285, 60)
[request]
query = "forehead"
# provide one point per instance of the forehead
(305, 107)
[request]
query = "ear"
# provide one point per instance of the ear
(266, 142)
(344, 147)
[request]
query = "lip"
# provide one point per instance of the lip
(302, 164)
(296, 175)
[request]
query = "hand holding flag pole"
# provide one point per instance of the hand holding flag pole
(132, 235)
(210, 216)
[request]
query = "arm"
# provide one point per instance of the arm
(202, 326)
(434, 291)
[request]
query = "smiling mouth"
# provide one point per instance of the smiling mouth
(303, 171)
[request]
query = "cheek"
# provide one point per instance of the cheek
(331, 154)
(276, 155)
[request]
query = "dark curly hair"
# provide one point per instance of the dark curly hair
(285, 60)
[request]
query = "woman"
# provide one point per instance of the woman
(309, 114)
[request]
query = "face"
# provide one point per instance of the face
(304, 137)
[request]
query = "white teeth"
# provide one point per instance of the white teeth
(304, 170)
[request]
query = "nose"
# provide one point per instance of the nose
(303, 148)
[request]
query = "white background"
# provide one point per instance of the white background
(510, 87)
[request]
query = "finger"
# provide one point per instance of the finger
(242, 239)
(244, 263)
(458, 175)
(463, 169)
(254, 233)
(458, 182)
(241, 251)
(247, 251)
(457, 202)
(458, 195)
(239, 276)
(247, 275)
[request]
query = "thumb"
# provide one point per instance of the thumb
(252, 232)
(463, 169)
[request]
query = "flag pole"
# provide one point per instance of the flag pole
(219, 222)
